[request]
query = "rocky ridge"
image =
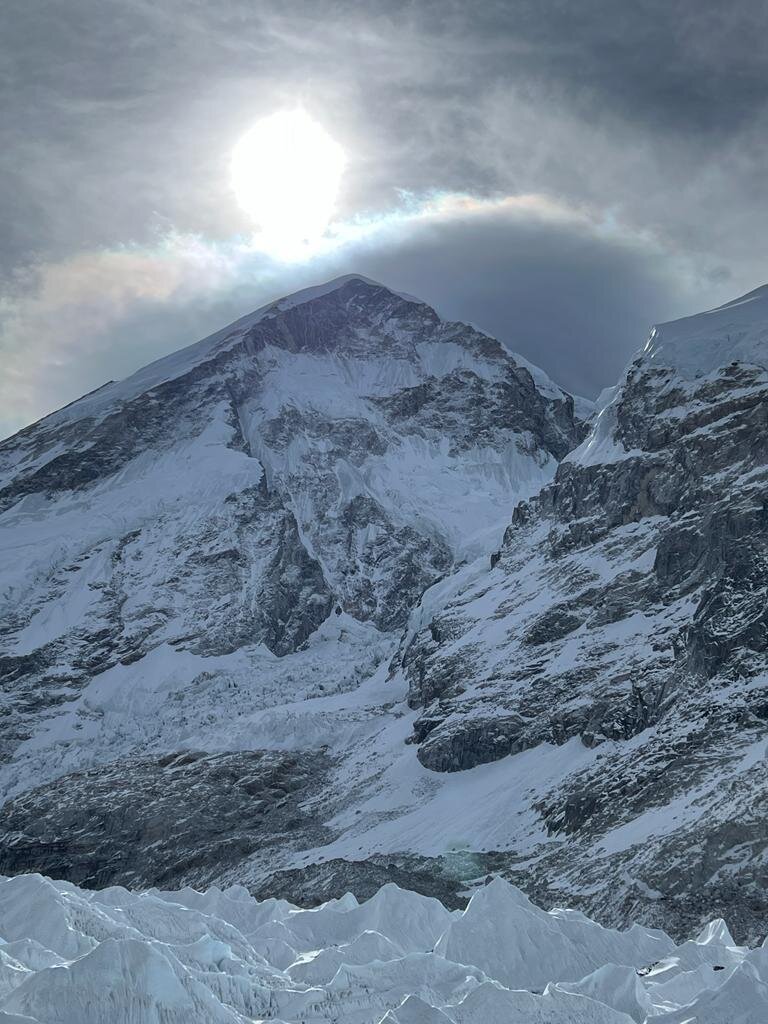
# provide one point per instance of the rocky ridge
(627, 608)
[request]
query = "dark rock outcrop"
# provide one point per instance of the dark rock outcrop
(180, 819)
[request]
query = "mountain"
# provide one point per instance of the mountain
(348, 594)
(210, 557)
(626, 620)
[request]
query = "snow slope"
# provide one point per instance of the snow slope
(70, 956)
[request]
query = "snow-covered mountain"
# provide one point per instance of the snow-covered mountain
(212, 555)
(626, 619)
(72, 956)
(343, 595)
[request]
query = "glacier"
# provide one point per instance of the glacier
(75, 956)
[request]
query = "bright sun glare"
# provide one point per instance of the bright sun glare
(285, 174)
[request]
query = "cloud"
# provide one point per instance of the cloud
(65, 326)
(570, 292)
(657, 111)
(642, 128)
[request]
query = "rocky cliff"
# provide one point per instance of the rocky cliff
(627, 610)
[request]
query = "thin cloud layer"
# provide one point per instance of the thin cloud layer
(568, 292)
(121, 236)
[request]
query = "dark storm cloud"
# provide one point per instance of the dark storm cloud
(573, 297)
(117, 118)
(572, 301)
(679, 66)
(118, 111)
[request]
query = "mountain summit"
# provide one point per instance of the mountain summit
(194, 557)
(347, 593)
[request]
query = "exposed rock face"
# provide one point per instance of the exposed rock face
(110, 825)
(628, 608)
(338, 531)
(680, 517)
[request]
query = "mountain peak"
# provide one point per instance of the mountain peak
(334, 285)
(183, 360)
(348, 315)
(699, 344)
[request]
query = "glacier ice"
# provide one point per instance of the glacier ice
(76, 956)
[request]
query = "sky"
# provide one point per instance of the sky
(560, 174)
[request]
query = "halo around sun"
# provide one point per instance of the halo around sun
(285, 173)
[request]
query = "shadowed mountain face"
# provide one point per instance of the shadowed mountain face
(331, 595)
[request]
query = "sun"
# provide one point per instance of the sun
(285, 174)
